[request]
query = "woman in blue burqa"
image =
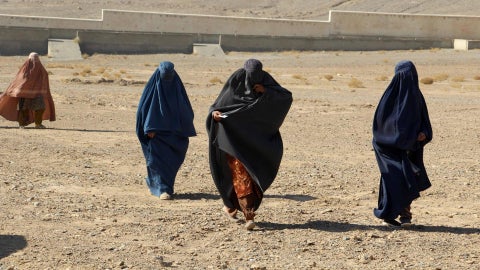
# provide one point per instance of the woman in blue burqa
(164, 125)
(245, 146)
(401, 129)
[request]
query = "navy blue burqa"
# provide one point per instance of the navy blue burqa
(165, 109)
(250, 131)
(400, 116)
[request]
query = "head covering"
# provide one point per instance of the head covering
(254, 74)
(167, 71)
(252, 65)
(33, 56)
(30, 82)
(402, 113)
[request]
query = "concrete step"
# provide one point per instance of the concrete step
(206, 49)
(64, 49)
(465, 44)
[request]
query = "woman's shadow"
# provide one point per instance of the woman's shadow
(333, 226)
(10, 244)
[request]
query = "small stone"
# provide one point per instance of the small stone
(257, 267)
(364, 258)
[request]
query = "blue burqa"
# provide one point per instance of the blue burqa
(400, 116)
(165, 109)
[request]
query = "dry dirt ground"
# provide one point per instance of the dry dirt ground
(73, 196)
(280, 9)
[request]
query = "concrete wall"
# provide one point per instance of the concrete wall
(182, 23)
(144, 32)
(404, 25)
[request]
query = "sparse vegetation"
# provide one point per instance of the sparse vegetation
(458, 79)
(440, 77)
(381, 78)
(456, 85)
(328, 77)
(355, 83)
(59, 65)
(215, 80)
(100, 70)
(426, 80)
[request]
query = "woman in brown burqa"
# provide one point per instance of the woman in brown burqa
(28, 98)
(244, 139)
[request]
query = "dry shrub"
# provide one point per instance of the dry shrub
(426, 80)
(100, 70)
(455, 85)
(291, 52)
(108, 76)
(476, 77)
(434, 49)
(355, 83)
(298, 77)
(381, 78)
(440, 77)
(458, 79)
(58, 65)
(123, 71)
(86, 71)
(215, 80)
(328, 77)
(85, 55)
(75, 73)
(147, 64)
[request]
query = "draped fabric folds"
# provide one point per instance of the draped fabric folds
(248, 132)
(164, 109)
(399, 118)
(30, 82)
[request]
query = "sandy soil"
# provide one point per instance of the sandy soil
(73, 196)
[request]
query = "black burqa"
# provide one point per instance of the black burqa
(249, 130)
(400, 116)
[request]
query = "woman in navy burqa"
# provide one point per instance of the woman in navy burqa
(401, 129)
(244, 139)
(164, 125)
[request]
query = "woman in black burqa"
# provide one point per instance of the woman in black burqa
(245, 145)
(401, 129)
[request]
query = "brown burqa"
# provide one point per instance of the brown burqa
(30, 82)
